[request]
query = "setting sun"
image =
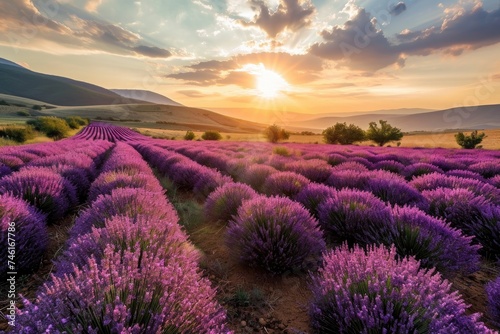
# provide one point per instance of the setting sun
(269, 84)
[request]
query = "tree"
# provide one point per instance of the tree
(211, 135)
(383, 134)
(189, 135)
(343, 134)
(274, 133)
(469, 141)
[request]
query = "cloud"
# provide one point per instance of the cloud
(295, 69)
(359, 45)
(57, 27)
(152, 51)
(92, 5)
(398, 8)
(196, 93)
(290, 15)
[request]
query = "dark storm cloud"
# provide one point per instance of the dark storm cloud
(291, 15)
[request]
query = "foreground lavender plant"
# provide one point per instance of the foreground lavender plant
(27, 227)
(275, 233)
(130, 291)
(373, 292)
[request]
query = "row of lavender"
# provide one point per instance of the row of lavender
(279, 234)
(46, 182)
(128, 266)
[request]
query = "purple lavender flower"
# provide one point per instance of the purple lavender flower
(223, 203)
(354, 216)
(394, 190)
(351, 165)
(466, 174)
(11, 161)
(208, 180)
(275, 233)
(46, 190)
(287, 184)
(4, 170)
(123, 202)
(27, 228)
(493, 294)
(374, 292)
(487, 168)
(335, 159)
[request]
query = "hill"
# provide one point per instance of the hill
(478, 117)
(145, 95)
(19, 81)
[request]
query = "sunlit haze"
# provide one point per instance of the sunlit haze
(310, 56)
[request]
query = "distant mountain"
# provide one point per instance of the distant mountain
(287, 117)
(145, 95)
(480, 117)
(19, 81)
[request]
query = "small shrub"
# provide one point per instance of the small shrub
(23, 113)
(31, 237)
(53, 127)
(469, 141)
(280, 150)
(223, 203)
(276, 234)
(211, 135)
(189, 135)
(372, 291)
(274, 134)
(18, 134)
(76, 122)
(312, 195)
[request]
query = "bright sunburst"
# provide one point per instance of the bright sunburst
(269, 84)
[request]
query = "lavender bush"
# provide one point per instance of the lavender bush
(419, 169)
(315, 170)
(287, 184)
(275, 233)
(128, 292)
(46, 190)
(256, 175)
(28, 231)
(354, 216)
(374, 292)
(122, 202)
(432, 241)
(312, 195)
(474, 214)
(223, 203)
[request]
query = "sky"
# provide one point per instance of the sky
(310, 56)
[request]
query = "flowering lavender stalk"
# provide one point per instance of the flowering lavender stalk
(223, 203)
(28, 231)
(373, 292)
(275, 233)
(312, 195)
(493, 294)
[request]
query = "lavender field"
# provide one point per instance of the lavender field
(290, 238)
